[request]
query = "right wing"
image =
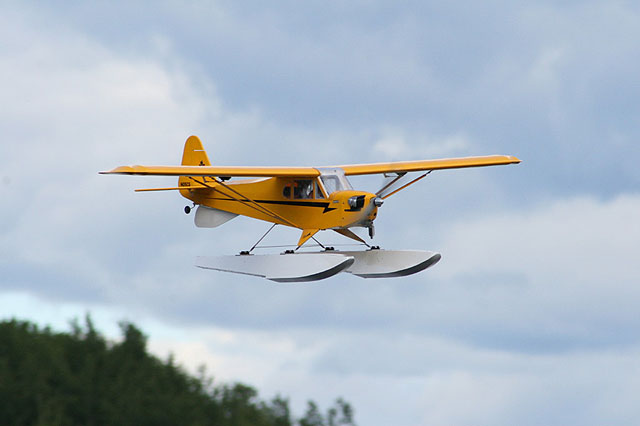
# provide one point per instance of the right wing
(424, 165)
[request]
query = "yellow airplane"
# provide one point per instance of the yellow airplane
(308, 198)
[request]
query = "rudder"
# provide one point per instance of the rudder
(194, 154)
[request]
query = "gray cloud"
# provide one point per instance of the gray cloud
(552, 83)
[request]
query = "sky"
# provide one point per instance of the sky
(530, 318)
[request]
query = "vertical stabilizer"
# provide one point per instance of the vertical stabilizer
(193, 155)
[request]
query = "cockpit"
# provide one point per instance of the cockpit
(330, 181)
(302, 189)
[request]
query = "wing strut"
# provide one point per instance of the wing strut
(407, 184)
(250, 203)
(399, 176)
(262, 238)
(349, 233)
(306, 235)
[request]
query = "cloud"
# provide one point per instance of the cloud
(548, 280)
(77, 108)
(443, 382)
(394, 146)
(391, 377)
(529, 80)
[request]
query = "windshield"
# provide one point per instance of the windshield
(334, 180)
(331, 183)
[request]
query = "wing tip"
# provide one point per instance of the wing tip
(123, 170)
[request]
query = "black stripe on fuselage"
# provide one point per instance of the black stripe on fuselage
(322, 204)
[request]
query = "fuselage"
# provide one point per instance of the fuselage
(324, 202)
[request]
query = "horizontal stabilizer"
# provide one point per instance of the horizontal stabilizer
(176, 188)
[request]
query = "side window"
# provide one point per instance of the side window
(302, 189)
(286, 192)
(319, 193)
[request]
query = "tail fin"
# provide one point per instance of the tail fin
(193, 155)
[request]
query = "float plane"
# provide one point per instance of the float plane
(311, 199)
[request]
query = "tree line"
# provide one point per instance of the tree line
(80, 378)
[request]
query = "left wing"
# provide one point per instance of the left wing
(215, 171)
(424, 165)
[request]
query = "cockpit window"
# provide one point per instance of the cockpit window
(303, 189)
(319, 193)
(334, 180)
(287, 190)
(299, 188)
(331, 183)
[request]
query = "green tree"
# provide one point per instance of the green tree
(312, 416)
(80, 378)
(340, 414)
(280, 413)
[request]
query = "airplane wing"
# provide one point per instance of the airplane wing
(349, 170)
(424, 165)
(215, 171)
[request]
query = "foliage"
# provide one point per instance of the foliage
(79, 378)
